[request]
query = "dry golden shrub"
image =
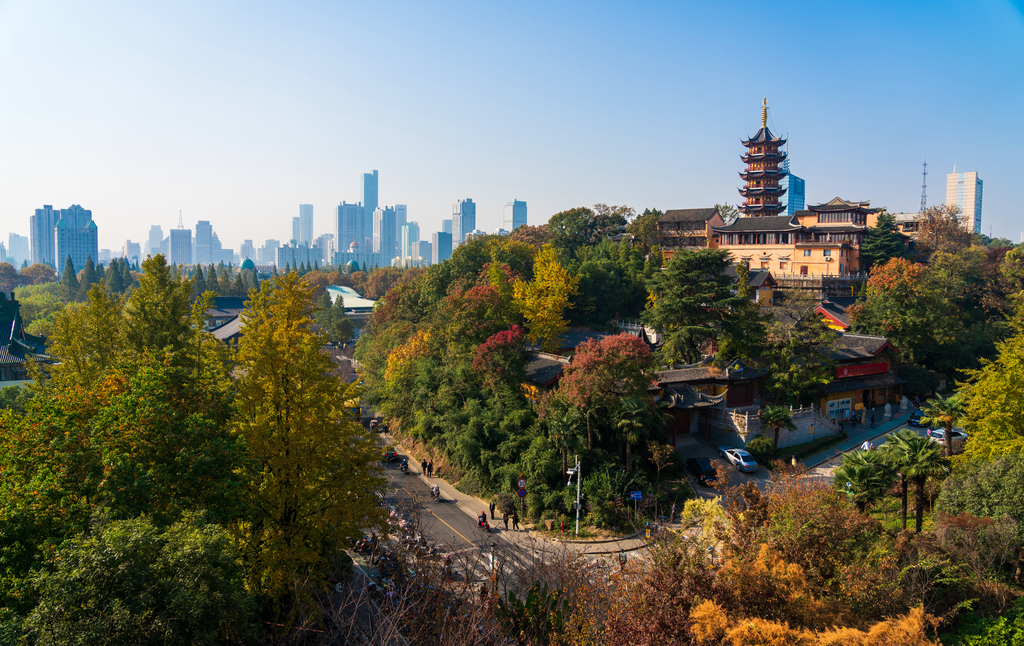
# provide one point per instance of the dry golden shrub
(759, 632)
(909, 630)
(708, 622)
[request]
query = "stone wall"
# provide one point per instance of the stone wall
(738, 426)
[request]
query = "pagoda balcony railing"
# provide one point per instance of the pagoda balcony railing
(852, 277)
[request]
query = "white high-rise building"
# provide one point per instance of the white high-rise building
(156, 240)
(305, 223)
(515, 215)
(385, 234)
(348, 225)
(18, 249)
(964, 190)
(410, 236)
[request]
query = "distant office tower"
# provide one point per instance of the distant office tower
(385, 234)
(295, 231)
(203, 243)
(41, 227)
(247, 251)
(795, 194)
(515, 215)
(294, 256)
(964, 190)
(156, 239)
(180, 247)
(410, 236)
(368, 197)
(401, 218)
(18, 249)
(326, 246)
(267, 254)
(463, 220)
(440, 247)
(421, 251)
(446, 226)
(348, 225)
(218, 253)
(130, 251)
(76, 237)
(305, 224)
(3, 255)
(105, 257)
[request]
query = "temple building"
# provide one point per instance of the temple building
(761, 192)
(823, 240)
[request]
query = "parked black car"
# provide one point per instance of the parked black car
(701, 470)
(915, 419)
(390, 455)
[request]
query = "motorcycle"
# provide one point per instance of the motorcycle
(363, 545)
(481, 522)
(405, 468)
(435, 494)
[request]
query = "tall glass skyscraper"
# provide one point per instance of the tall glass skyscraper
(795, 194)
(305, 224)
(368, 187)
(76, 237)
(515, 215)
(463, 220)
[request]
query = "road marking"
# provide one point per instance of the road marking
(450, 527)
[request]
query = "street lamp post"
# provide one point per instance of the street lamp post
(579, 477)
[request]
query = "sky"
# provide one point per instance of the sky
(237, 113)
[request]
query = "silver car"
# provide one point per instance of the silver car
(742, 460)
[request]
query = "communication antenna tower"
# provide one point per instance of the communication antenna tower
(924, 186)
(180, 224)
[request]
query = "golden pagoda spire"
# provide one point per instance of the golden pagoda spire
(764, 113)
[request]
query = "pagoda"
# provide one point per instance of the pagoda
(762, 191)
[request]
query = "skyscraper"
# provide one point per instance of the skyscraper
(463, 220)
(385, 234)
(421, 251)
(295, 231)
(18, 249)
(368, 197)
(247, 251)
(76, 237)
(180, 247)
(796, 201)
(305, 223)
(410, 236)
(964, 190)
(515, 215)
(348, 225)
(203, 243)
(156, 240)
(41, 227)
(446, 225)
(440, 247)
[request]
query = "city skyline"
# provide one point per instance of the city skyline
(213, 129)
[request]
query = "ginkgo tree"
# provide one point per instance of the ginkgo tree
(544, 300)
(311, 478)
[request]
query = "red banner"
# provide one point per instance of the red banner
(861, 370)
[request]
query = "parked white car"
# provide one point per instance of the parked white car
(939, 435)
(739, 458)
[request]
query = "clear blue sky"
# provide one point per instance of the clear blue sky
(237, 113)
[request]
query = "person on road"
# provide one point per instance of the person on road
(492, 511)
(872, 420)
(430, 469)
(423, 467)
(515, 521)
(866, 446)
(504, 517)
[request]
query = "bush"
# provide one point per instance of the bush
(761, 447)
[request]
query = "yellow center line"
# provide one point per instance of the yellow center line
(450, 527)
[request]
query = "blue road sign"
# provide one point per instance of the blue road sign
(522, 493)
(635, 495)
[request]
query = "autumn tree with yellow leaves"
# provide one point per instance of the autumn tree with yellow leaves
(544, 300)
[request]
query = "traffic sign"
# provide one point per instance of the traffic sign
(635, 495)
(522, 483)
(522, 492)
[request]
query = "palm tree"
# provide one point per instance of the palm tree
(944, 412)
(865, 476)
(776, 417)
(919, 458)
(895, 451)
(629, 420)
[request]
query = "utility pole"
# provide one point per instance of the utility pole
(579, 478)
(924, 186)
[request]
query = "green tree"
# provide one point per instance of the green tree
(799, 351)
(775, 418)
(89, 278)
(15, 398)
(330, 316)
(114, 278)
(728, 212)
(917, 458)
(198, 283)
(644, 228)
(944, 412)
(986, 489)
(581, 227)
(68, 282)
(311, 478)
(158, 313)
(131, 582)
(883, 241)
(865, 476)
(632, 421)
(9, 277)
(88, 340)
(994, 403)
(692, 302)
(897, 453)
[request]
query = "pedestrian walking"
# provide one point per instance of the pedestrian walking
(515, 521)
(430, 469)
(872, 420)
(866, 446)
(492, 511)
(504, 517)
(423, 466)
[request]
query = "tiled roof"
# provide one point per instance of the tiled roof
(764, 135)
(861, 383)
(688, 215)
(764, 223)
(544, 370)
(859, 346)
(229, 330)
(757, 276)
(839, 204)
(736, 371)
(682, 396)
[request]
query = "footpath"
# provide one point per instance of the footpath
(856, 436)
(525, 537)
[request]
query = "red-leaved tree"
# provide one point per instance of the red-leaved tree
(500, 358)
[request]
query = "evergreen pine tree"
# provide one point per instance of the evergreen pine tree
(238, 289)
(882, 243)
(68, 289)
(126, 276)
(24, 264)
(198, 283)
(113, 278)
(316, 265)
(89, 277)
